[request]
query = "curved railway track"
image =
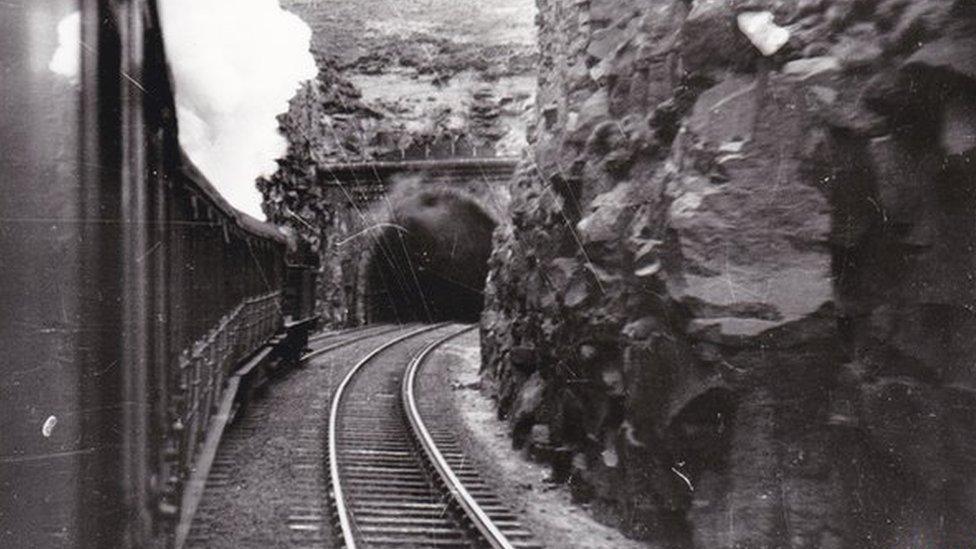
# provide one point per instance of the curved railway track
(398, 475)
(329, 341)
(360, 443)
(295, 507)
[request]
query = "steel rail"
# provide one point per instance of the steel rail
(338, 495)
(471, 508)
(344, 332)
(359, 336)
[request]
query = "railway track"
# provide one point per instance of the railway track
(249, 498)
(329, 341)
(398, 476)
(345, 333)
(348, 452)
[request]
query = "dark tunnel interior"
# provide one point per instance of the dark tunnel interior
(429, 264)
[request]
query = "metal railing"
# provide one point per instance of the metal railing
(201, 373)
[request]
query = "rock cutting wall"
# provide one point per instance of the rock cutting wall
(733, 301)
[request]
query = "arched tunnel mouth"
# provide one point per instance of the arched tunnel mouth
(430, 261)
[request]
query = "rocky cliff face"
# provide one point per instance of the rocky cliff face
(429, 68)
(734, 299)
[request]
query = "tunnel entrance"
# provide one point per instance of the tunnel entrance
(430, 261)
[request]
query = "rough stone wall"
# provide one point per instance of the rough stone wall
(328, 122)
(358, 238)
(350, 235)
(734, 300)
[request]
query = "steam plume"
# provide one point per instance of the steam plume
(235, 63)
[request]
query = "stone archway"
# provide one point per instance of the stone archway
(430, 260)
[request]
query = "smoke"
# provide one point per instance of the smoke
(235, 63)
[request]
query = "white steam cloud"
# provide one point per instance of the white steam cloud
(235, 63)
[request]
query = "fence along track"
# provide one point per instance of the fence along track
(385, 491)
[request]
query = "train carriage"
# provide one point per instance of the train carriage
(131, 293)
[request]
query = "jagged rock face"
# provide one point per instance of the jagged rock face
(733, 302)
(429, 70)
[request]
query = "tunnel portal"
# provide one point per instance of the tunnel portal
(430, 261)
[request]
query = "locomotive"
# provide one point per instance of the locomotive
(138, 308)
